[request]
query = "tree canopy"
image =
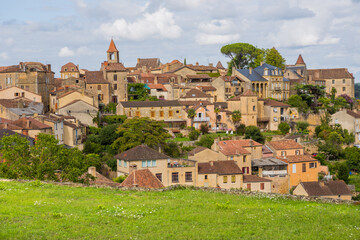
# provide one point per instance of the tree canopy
(254, 133)
(274, 58)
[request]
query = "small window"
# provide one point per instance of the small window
(294, 168)
(254, 108)
(275, 110)
(233, 179)
(312, 165)
(115, 77)
(161, 113)
(125, 163)
(333, 81)
(175, 177)
(115, 86)
(297, 152)
(344, 88)
(225, 179)
(170, 113)
(153, 162)
(244, 158)
(120, 163)
(206, 177)
(231, 157)
(99, 87)
(143, 164)
(248, 186)
(159, 176)
(283, 153)
(262, 186)
(304, 167)
(152, 114)
(343, 80)
(149, 163)
(177, 111)
(137, 114)
(188, 176)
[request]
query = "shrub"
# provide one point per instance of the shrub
(206, 141)
(343, 172)
(112, 163)
(284, 128)
(302, 126)
(240, 130)
(254, 133)
(120, 179)
(194, 135)
(204, 128)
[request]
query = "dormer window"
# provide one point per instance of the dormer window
(266, 72)
(65, 69)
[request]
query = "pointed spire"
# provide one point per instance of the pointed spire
(112, 47)
(300, 60)
(219, 65)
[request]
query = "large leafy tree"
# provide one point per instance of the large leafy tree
(191, 113)
(138, 92)
(310, 94)
(136, 131)
(253, 132)
(242, 55)
(274, 58)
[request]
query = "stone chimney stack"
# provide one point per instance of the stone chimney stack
(197, 63)
(211, 163)
(138, 60)
(211, 65)
(27, 123)
(48, 66)
(92, 171)
(250, 70)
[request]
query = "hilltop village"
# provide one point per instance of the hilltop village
(265, 128)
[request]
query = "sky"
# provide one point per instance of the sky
(325, 32)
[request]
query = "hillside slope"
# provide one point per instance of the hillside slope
(46, 211)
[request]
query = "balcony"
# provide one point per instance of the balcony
(179, 163)
(201, 119)
(277, 88)
(274, 172)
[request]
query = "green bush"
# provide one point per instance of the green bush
(284, 128)
(194, 135)
(240, 130)
(120, 179)
(206, 141)
(343, 172)
(254, 133)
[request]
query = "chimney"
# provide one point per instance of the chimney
(250, 70)
(92, 171)
(48, 67)
(25, 132)
(211, 163)
(5, 125)
(138, 60)
(197, 63)
(27, 123)
(262, 63)
(211, 65)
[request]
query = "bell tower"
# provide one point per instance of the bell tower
(112, 53)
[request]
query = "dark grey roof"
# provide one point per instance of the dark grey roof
(252, 77)
(141, 152)
(172, 103)
(267, 162)
(7, 132)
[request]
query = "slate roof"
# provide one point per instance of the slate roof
(141, 152)
(285, 144)
(164, 103)
(195, 103)
(197, 150)
(143, 179)
(196, 93)
(274, 103)
(353, 114)
(258, 73)
(148, 62)
(271, 161)
(95, 77)
(8, 132)
(219, 167)
(332, 73)
(330, 188)
(254, 76)
(69, 65)
(253, 178)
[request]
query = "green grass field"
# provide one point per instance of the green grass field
(46, 211)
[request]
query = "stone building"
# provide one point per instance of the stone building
(69, 70)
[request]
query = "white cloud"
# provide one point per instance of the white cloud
(209, 39)
(160, 24)
(4, 55)
(217, 26)
(66, 52)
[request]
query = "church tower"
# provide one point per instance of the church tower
(112, 53)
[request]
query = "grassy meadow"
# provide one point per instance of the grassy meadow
(44, 211)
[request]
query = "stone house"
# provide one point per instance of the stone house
(297, 74)
(64, 96)
(171, 112)
(196, 95)
(15, 92)
(99, 87)
(168, 171)
(14, 109)
(69, 70)
(283, 148)
(203, 154)
(34, 77)
(349, 120)
(255, 183)
(339, 78)
(183, 71)
(246, 103)
(157, 90)
(32, 127)
(277, 112)
(331, 189)
(81, 110)
(230, 86)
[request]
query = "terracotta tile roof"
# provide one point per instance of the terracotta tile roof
(113, 67)
(300, 60)
(298, 158)
(112, 47)
(69, 66)
(207, 88)
(334, 73)
(230, 78)
(253, 178)
(143, 179)
(19, 102)
(248, 93)
(196, 93)
(95, 77)
(353, 114)
(157, 86)
(9, 69)
(131, 79)
(285, 144)
(202, 67)
(30, 123)
(273, 103)
(148, 62)
(219, 167)
(330, 188)
(222, 105)
(219, 65)
(100, 179)
(198, 76)
(236, 147)
(141, 152)
(197, 150)
(10, 126)
(194, 103)
(164, 103)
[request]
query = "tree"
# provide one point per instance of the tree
(138, 92)
(236, 118)
(274, 58)
(136, 131)
(352, 156)
(242, 55)
(206, 141)
(194, 134)
(254, 133)
(343, 172)
(172, 149)
(302, 126)
(240, 130)
(296, 101)
(284, 127)
(191, 113)
(217, 110)
(204, 129)
(310, 94)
